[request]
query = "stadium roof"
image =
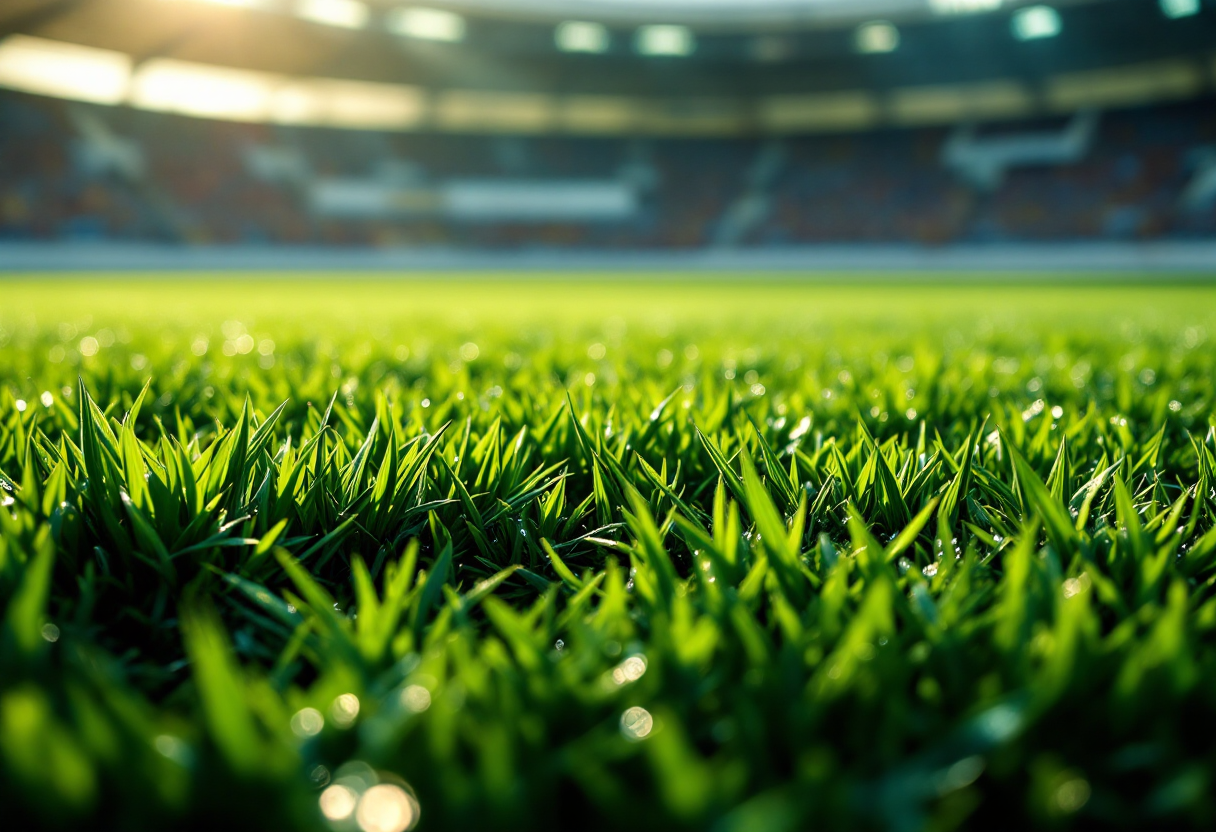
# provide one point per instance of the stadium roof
(518, 65)
(747, 13)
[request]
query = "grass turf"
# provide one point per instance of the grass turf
(488, 553)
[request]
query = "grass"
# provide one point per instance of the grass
(721, 555)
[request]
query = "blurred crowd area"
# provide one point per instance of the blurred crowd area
(78, 173)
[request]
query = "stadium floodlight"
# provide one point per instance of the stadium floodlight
(64, 70)
(1175, 9)
(344, 14)
(950, 7)
(665, 39)
(422, 23)
(1036, 23)
(243, 4)
(581, 36)
(361, 105)
(876, 38)
(173, 86)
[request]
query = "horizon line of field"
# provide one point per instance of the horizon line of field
(1185, 260)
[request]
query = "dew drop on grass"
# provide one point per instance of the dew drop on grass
(636, 724)
(416, 698)
(345, 710)
(386, 807)
(307, 722)
(630, 670)
(338, 802)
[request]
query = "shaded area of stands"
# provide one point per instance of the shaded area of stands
(196, 185)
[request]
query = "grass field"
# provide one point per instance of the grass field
(483, 553)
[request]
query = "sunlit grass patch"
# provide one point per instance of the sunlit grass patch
(492, 554)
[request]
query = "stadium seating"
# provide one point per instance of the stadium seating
(76, 172)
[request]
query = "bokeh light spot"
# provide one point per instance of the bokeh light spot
(307, 722)
(416, 698)
(636, 724)
(338, 802)
(345, 710)
(386, 808)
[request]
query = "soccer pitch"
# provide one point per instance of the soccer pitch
(489, 552)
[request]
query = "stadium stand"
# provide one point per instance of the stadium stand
(472, 126)
(72, 171)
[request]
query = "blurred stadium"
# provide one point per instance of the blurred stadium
(687, 128)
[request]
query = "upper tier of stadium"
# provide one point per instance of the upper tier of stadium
(610, 67)
(731, 14)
